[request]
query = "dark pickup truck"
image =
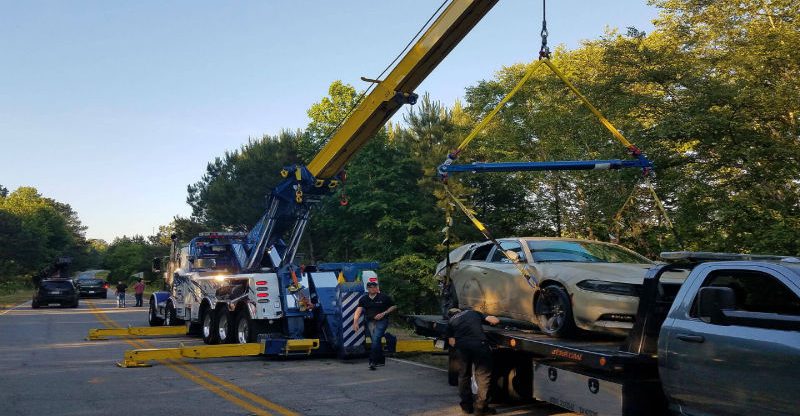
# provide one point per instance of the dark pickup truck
(727, 343)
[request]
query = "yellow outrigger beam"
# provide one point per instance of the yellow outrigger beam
(412, 345)
(103, 333)
(140, 357)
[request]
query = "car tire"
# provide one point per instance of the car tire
(210, 332)
(553, 311)
(152, 315)
(35, 305)
(245, 331)
(225, 327)
(76, 304)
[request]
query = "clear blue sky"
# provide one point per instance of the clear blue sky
(114, 107)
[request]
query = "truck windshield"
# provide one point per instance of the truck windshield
(583, 252)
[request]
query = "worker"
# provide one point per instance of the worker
(376, 306)
(465, 334)
(121, 287)
(138, 291)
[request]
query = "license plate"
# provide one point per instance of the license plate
(55, 292)
(91, 291)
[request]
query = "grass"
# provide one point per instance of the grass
(10, 300)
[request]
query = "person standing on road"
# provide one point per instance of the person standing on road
(465, 334)
(121, 287)
(376, 306)
(138, 291)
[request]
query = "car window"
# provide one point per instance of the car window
(57, 285)
(582, 251)
(755, 292)
(499, 257)
(480, 253)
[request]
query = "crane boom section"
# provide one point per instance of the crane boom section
(398, 87)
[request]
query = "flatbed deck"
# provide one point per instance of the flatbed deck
(595, 353)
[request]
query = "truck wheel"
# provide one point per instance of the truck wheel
(554, 312)
(224, 326)
(244, 328)
(210, 333)
(170, 318)
(152, 315)
(453, 366)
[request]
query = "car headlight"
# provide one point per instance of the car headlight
(613, 288)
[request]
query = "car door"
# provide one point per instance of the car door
(736, 369)
(468, 278)
(508, 292)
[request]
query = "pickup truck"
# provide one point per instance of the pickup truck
(726, 342)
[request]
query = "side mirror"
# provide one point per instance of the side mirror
(512, 255)
(711, 303)
(156, 264)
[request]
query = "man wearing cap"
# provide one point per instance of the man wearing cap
(376, 306)
(465, 334)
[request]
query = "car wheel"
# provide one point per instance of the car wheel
(244, 327)
(76, 304)
(152, 315)
(554, 312)
(224, 325)
(35, 305)
(210, 332)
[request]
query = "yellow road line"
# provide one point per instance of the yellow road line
(186, 370)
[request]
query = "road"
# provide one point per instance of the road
(47, 367)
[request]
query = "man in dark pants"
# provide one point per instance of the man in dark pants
(465, 334)
(376, 306)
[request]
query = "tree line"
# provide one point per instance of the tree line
(711, 95)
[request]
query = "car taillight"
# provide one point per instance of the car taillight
(105, 286)
(261, 282)
(262, 295)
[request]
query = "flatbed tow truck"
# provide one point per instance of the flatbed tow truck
(726, 343)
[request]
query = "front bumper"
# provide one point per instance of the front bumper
(603, 312)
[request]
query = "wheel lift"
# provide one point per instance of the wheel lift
(266, 346)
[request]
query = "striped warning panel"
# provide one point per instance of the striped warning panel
(349, 303)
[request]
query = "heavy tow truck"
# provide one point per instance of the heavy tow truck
(725, 342)
(246, 287)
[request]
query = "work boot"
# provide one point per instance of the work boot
(371, 366)
(467, 408)
(485, 411)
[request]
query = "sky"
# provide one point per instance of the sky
(114, 107)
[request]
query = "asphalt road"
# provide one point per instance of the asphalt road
(47, 367)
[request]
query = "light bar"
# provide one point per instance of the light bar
(217, 234)
(711, 256)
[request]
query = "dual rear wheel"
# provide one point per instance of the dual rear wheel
(221, 326)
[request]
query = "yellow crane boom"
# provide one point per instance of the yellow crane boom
(398, 87)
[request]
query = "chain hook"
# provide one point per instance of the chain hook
(544, 51)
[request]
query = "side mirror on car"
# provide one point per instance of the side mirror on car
(712, 301)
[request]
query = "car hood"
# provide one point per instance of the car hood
(569, 272)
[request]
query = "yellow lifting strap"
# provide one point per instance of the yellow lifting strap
(486, 233)
(659, 205)
(616, 133)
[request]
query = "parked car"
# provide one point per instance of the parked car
(582, 284)
(92, 287)
(61, 291)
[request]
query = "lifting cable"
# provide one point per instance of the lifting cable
(617, 221)
(544, 58)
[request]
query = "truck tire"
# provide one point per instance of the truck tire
(225, 326)
(210, 332)
(553, 312)
(152, 315)
(245, 332)
(170, 318)
(453, 366)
